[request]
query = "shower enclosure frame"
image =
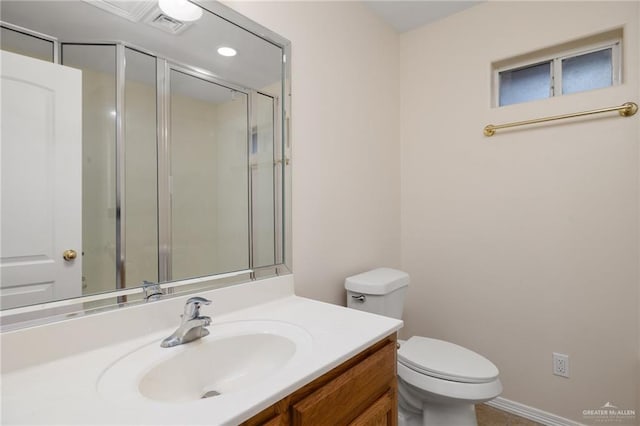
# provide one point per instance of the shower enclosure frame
(163, 129)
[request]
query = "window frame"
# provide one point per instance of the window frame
(555, 61)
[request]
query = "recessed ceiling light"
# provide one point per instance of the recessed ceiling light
(181, 10)
(227, 51)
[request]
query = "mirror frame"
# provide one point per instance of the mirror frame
(43, 313)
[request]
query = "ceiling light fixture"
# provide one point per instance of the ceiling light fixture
(227, 51)
(181, 10)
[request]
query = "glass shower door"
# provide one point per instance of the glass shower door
(98, 64)
(208, 181)
(263, 180)
(119, 211)
(140, 192)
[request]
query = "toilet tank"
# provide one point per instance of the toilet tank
(380, 291)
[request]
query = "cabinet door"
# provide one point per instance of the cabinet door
(381, 413)
(280, 420)
(340, 401)
(360, 391)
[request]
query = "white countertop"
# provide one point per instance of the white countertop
(64, 390)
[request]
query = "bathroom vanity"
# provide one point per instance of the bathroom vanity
(361, 391)
(271, 358)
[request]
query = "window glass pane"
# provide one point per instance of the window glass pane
(25, 44)
(587, 72)
(525, 84)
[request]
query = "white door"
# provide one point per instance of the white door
(41, 181)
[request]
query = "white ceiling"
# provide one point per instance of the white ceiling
(257, 65)
(405, 15)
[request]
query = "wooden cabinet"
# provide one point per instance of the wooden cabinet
(362, 391)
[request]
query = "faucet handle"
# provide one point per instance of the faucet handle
(192, 307)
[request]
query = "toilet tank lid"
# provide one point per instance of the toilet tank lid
(377, 281)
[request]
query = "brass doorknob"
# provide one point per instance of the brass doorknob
(69, 255)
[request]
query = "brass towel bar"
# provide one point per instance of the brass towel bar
(626, 110)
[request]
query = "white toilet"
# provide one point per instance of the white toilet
(438, 382)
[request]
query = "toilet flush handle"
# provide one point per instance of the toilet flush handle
(360, 298)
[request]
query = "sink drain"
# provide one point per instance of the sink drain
(210, 394)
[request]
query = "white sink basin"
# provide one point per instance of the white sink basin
(234, 357)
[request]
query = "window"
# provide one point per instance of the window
(525, 84)
(568, 71)
(588, 71)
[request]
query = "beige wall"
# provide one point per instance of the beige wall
(525, 243)
(346, 215)
(518, 245)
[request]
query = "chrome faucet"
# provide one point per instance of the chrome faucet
(193, 325)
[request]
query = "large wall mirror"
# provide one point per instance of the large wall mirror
(140, 146)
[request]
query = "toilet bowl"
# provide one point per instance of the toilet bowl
(438, 382)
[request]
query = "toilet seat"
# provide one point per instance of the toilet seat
(446, 390)
(445, 360)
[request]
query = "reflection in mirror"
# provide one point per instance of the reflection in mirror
(140, 171)
(262, 175)
(26, 44)
(209, 209)
(41, 196)
(98, 66)
(168, 162)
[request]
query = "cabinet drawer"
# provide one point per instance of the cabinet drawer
(341, 400)
(381, 413)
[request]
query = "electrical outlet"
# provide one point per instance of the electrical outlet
(561, 364)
